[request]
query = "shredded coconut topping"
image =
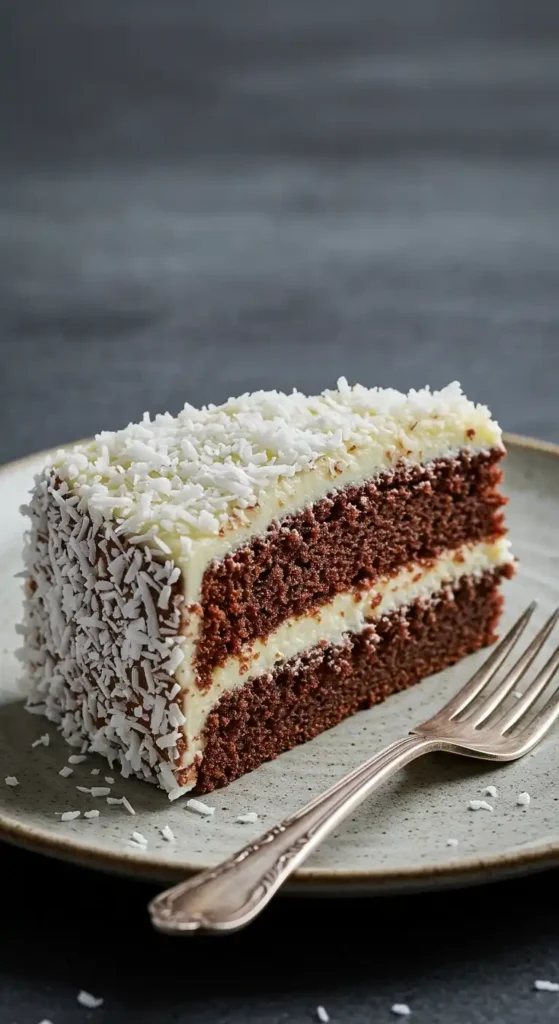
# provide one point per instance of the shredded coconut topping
(168, 834)
(322, 1014)
(401, 1009)
(98, 653)
(546, 986)
(452, 842)
(194, 473)
(65, 772)
(11, 780)
(523, 799)
(70, 815)
(491, 791)
(91, 814)
(247, 819)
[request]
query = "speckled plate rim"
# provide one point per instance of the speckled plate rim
(534, 857)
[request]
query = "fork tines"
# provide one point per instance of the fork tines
(475, 703)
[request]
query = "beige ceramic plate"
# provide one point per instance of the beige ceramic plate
(396, 841)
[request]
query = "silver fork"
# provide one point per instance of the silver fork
(474, 723)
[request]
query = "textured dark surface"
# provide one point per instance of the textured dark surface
(203, 197)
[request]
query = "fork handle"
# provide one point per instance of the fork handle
(227, 897)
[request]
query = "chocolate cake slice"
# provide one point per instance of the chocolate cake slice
(205, 591)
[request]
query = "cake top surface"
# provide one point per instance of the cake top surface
(202, 472)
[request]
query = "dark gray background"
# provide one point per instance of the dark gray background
(199, 198)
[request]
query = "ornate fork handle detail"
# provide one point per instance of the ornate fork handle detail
(230, 895)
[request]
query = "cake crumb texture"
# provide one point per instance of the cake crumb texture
(301, 699)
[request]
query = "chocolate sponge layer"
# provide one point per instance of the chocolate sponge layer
(305, 696)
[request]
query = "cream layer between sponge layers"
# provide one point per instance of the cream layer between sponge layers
(349, 612)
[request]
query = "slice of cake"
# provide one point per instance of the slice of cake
(205, 591)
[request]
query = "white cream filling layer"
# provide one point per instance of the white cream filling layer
(350, 612)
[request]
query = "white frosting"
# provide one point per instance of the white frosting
(177, 481)
(347, 613)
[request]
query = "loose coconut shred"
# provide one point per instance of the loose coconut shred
(88, 1000)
